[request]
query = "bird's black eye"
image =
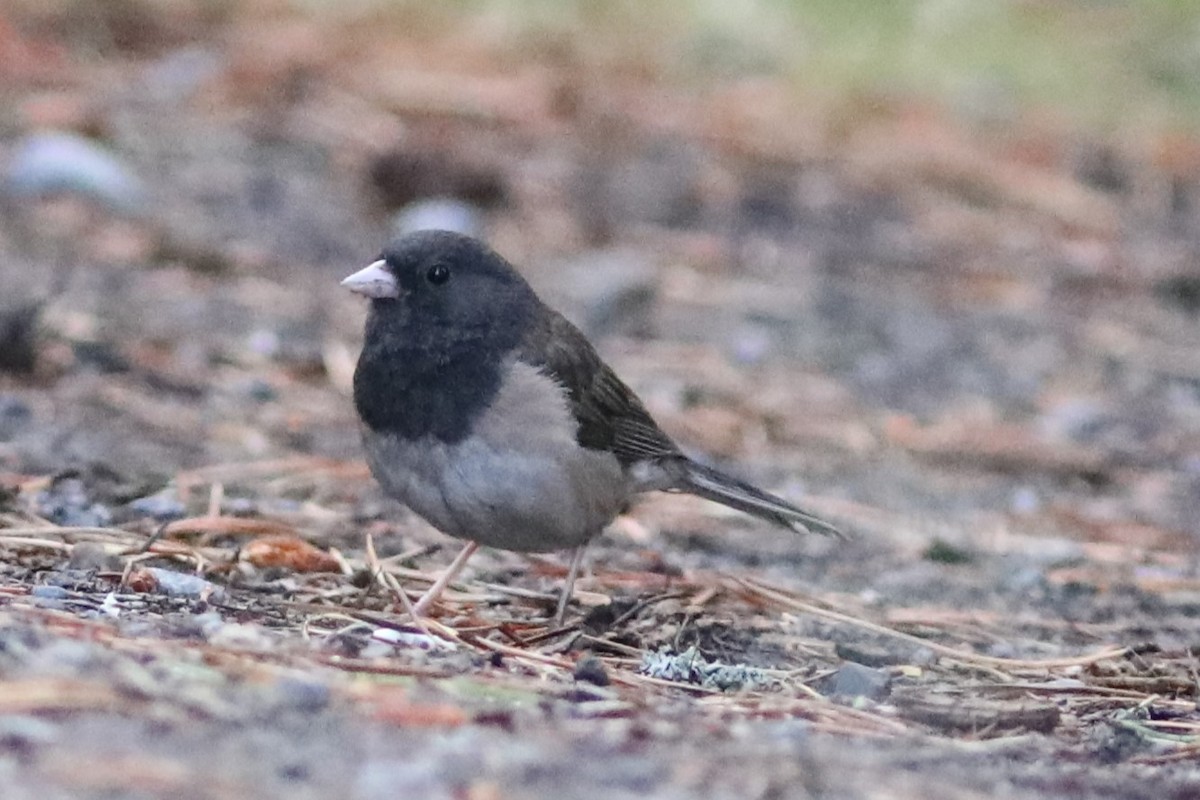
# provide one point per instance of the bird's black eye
(438, 274)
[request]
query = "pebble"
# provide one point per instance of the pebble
(93, 557)
(856, 680)
(161, 507)
(180, 584)
(260, 391)
(49, 592)
(240, 507)
(59, 162)
(19, 333)
(439, 213)
(15, 415)
(590, 670)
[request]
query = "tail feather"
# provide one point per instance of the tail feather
(712, 485)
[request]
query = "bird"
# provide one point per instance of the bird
(491, 416)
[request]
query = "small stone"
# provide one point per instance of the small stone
(240, 507)
(179, 584)
(439, 213)
(49, 592)
(15, 415)
(855, 680)
(103, 357)
(589, 669)
(941, 552)
(18, 346)
(260, 391)
(57, 162)
(93, 557)
(161, 507)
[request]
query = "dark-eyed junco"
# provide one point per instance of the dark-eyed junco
(491, 416)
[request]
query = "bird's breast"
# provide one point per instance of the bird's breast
(517, 480)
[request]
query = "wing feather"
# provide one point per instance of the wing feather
(610, 415)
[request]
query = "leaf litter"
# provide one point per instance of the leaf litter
(960, 350)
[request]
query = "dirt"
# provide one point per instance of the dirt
(983, 365)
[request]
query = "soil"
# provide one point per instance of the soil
(979, 359)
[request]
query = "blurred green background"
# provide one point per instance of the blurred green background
(1123, 67)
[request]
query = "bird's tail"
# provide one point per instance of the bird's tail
(712, 485)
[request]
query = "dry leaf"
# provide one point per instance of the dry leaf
(289, 552)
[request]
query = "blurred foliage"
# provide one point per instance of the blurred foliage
(1125, 66)
(1121, 66)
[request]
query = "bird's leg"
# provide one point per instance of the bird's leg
(569, 586)
(435, 591)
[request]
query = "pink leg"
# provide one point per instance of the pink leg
(435, 591)
(569, 586)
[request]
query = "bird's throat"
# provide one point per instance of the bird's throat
(413, 388)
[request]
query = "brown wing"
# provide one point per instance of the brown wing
(610, 415)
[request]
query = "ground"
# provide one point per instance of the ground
(971, 343)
